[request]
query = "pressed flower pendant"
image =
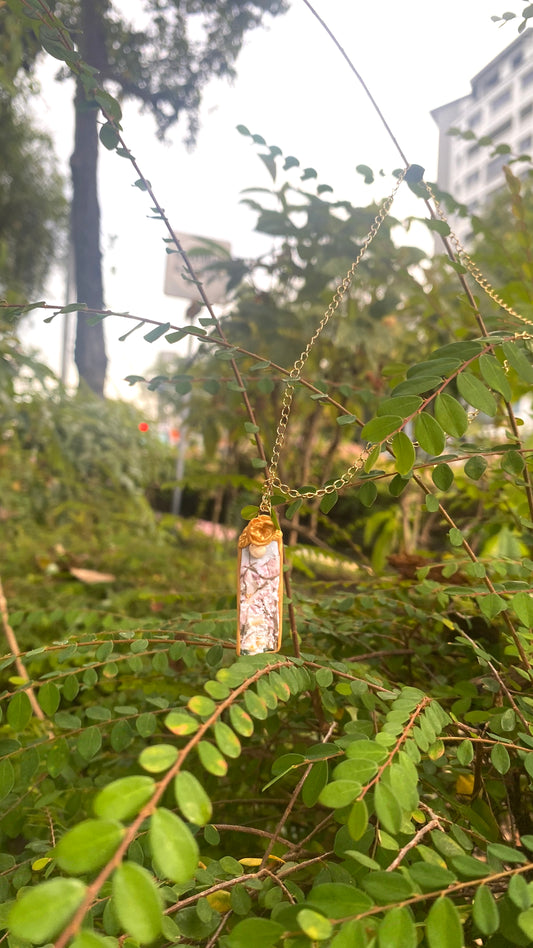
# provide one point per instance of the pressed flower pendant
(260, 589)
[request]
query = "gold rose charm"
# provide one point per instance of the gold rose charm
(260, 592)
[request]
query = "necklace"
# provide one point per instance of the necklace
(260, 560)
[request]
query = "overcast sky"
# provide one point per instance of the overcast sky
(294, 88)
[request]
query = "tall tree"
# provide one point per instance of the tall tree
(32, 205)
(164, 65)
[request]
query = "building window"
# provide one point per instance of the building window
(500, 129)
(473, 150)
(527, 110)
(472, 179)
(527, 79)
(492, 80)
(516, 60)
(500, 100)
(474, 119)
(495, 166)
(525, 143)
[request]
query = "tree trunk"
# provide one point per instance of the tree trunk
(89, 354)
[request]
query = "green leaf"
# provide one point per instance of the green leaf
(110, 104)
(192, 799)
(386, 887)
(201, 705)
(351, 935)
(337, 899)
(315, 926)
(89, 939)
(475, 468)
(443, 925)
(227, 740)
(431, 877)
(314, 783)
(19, 711)
(41, 913)
(418, 384)
(404, 452)
(212, 759)
(403, 405)
(456, 537)
(339, 793)
(158, 757)
(495, 376)
(157, 332)
(522, 605)
(358, 820)
(379, 428)
(346, 419)
(7, 778)
(518, 892)
(328, 501)
(49, 698)
(450, 415)
(174, 848)
(367, 493)
(517, 359)
(505, 853)
(485, 911)
(397, 930)
(525, 922)
(136, 902)
(429, 433)
(180, 723)
(259, 932)
(122, 799)
(241, 721)
(88, 846)
(500, 759)
(465, 753)
(89, 742)
(476, 393)
(441, 227)
(442, 476)
(109, 136)
(255, 705)
(491, 605)
(388, 809)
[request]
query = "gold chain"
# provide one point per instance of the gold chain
(472, 267)
(272, 480)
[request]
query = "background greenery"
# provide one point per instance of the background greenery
(371, 784)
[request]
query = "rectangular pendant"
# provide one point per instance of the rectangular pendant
(260, 587)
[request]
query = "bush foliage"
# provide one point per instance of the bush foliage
(371, 784)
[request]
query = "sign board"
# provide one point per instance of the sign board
(202, 251)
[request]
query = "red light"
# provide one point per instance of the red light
(143, 426)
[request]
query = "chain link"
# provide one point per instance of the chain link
(472, 267)
(272, 480)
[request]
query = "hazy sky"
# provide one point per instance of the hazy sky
(295, 89)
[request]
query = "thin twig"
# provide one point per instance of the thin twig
(433, 824)
(292, 615)
(15, 651)
(214, 937)
(292, 801)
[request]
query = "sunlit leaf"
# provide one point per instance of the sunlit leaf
(137, 902)
(122, 799)
(192, 799)
(41, 913)
(88, 846)
(174, 848)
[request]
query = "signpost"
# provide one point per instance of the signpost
(202, 252)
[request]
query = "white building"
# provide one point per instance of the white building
(499, 106)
